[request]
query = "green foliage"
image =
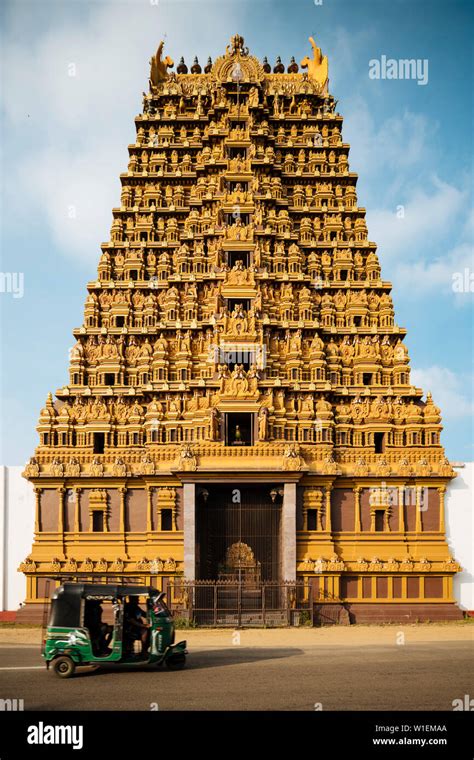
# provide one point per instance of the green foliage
(305, 618)
(180, 623)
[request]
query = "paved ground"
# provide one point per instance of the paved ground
(363, 668)
(331, 635)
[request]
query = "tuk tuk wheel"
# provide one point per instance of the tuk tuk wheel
(64, 667)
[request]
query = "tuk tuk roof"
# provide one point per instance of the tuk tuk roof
(83, 590)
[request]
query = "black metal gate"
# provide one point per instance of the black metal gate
(235, 605)
(238, 535)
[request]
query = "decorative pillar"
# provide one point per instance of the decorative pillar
(447, 588)
(328, 509)
(372, 520)
(390, 587)
(77, 511)
(288, 532)
(418, 510)
(106, 513)
(174, 514)
(404, 587)
(357, 491)
(38, 492)
(421, 588)
(305, 517)
(189, 517)
(159, 500)
(122, 491)
(401, 509)
(149, 525)
(319, 523)
(61, 491)
(442, 492)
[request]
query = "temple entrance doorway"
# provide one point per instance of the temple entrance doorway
(238, 534)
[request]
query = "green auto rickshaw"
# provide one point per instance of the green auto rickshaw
(76, 634)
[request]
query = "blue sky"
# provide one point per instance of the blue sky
(72, 77)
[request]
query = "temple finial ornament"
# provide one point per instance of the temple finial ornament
(237, 46)
(159, 66)
(317, 66)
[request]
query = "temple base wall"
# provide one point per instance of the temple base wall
(330, 614)
(360, 612)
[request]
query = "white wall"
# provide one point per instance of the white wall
(17, 523)
(17, 510)
(460, 532)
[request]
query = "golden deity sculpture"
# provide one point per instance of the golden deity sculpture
(239, 334)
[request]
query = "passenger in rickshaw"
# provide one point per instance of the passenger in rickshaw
(100, 632)
(134, 627)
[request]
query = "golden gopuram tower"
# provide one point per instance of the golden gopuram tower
(239, 403)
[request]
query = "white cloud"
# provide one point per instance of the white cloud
(448, 390)
(422, 225)
(76, 194)
(397, 143)
(425, 235)
(422, 277)
(425, 216)
(468, 231)
(423, 242)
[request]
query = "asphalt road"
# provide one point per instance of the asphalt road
(420, 676)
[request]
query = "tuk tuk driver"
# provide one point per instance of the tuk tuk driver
(134, 627)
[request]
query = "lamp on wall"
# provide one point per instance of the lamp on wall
(204, 494)
(276, 492)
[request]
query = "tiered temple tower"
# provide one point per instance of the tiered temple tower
(239, 393)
